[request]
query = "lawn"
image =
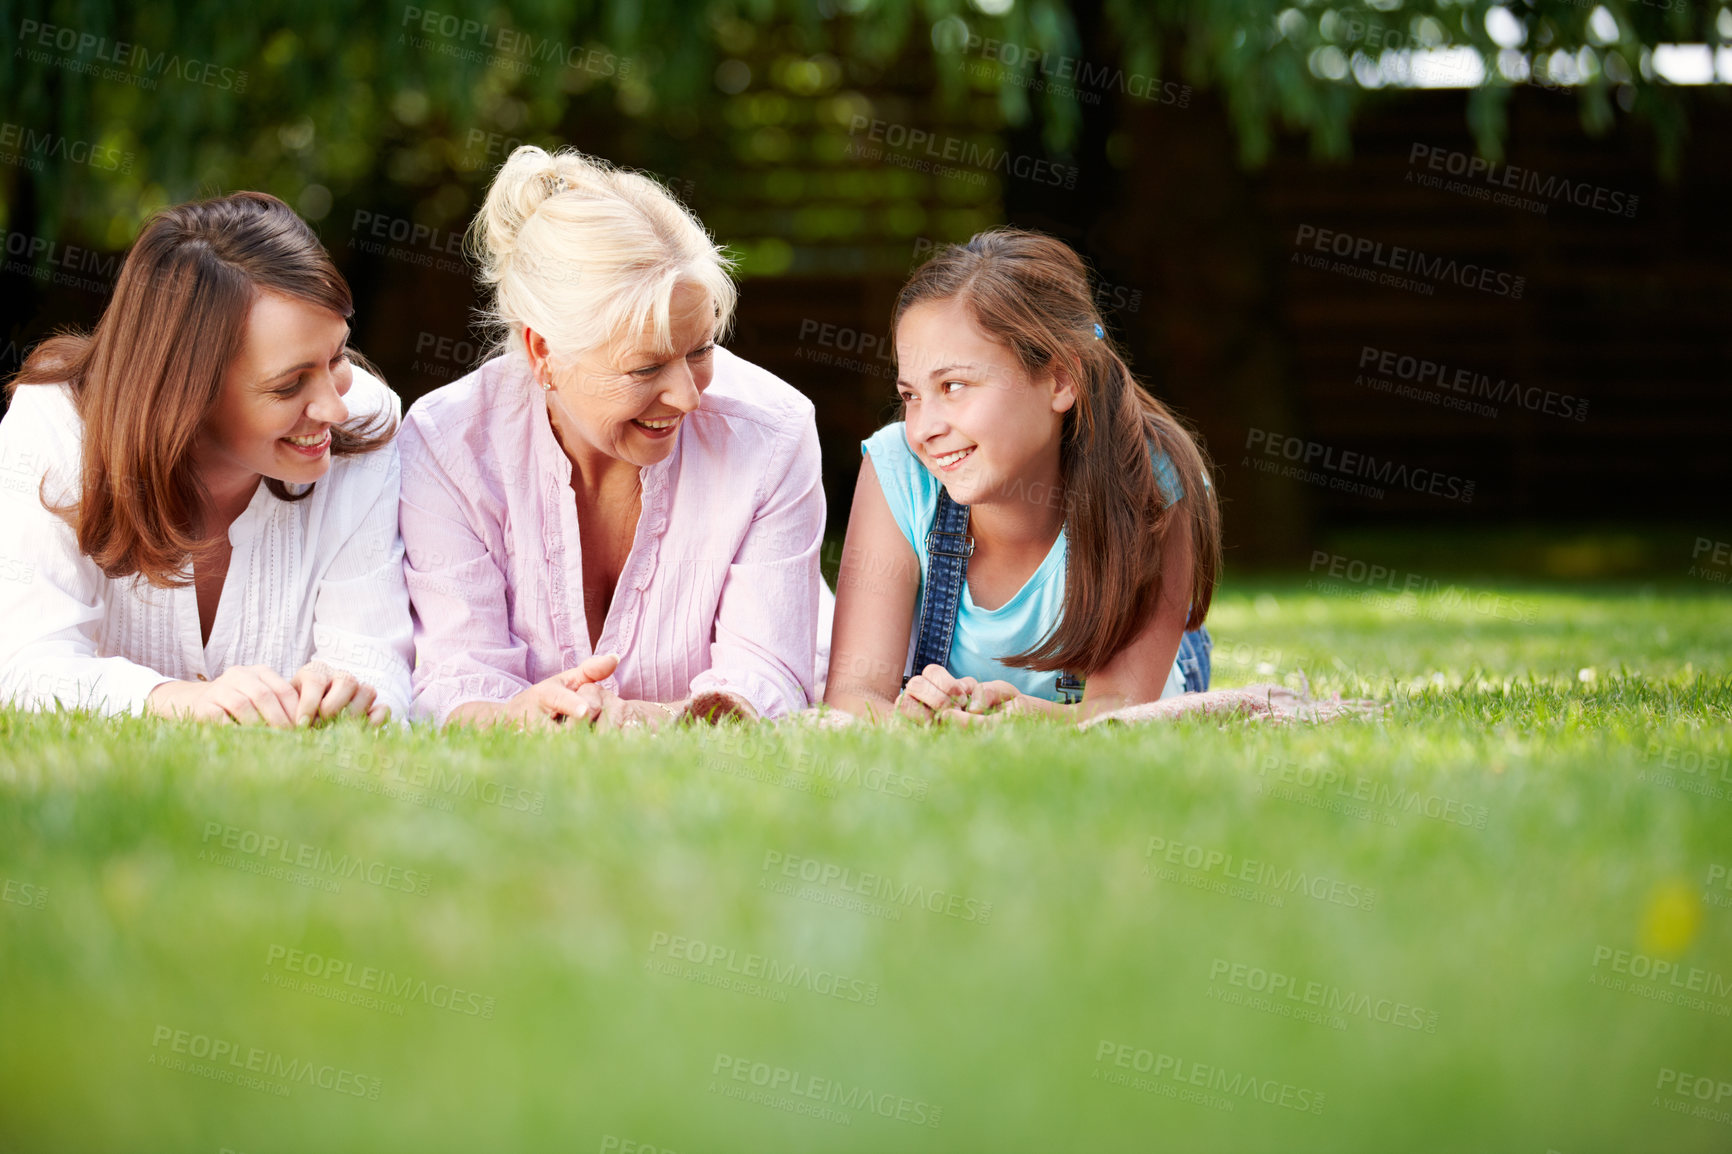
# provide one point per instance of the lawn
(1498, 917)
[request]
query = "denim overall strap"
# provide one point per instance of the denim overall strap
(1194, 659)
(948, 547)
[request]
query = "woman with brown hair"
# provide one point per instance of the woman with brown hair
(200, 497)
(1053, 520)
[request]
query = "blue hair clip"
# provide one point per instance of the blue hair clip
(1099, 332)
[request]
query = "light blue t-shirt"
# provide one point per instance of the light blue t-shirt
(983, 636)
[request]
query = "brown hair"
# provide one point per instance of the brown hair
(146, 379)
(1031, 292)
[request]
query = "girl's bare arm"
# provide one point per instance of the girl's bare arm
(875, 594)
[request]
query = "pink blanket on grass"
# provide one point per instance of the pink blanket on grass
(1270, 702)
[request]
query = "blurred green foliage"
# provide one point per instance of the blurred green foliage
(320, 99)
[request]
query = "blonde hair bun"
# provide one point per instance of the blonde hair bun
(580, 250)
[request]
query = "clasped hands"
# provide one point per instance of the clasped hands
(933, 695)
(259, 695)
(576, 695)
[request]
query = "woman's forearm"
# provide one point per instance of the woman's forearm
(171, 698)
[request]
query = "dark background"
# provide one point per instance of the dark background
(1188, 211)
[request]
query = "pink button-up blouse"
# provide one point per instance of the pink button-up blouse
(719, 592)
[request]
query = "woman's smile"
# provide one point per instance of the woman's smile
(656, 427)
(312, 444)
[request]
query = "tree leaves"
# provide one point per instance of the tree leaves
(292, 95)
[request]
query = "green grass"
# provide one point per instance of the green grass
(1573, 753)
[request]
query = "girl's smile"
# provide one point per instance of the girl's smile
(950, 460)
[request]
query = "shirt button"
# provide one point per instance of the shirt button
(202, 677)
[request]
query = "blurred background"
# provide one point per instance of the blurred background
(1442, 285)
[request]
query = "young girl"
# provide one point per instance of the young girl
(199, 499)
(1052, 520)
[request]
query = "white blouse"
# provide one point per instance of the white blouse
(317, 579)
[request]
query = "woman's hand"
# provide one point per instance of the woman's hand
(259, 695)
(243, 694)
(570, 695)
(650, 715)
(326, 693)
(615, 712)
(611, 711)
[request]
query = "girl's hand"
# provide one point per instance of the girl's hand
(326, 693)
(935, 695)
(243, 694)
(932, 692)
(992, 697)
(989, 702)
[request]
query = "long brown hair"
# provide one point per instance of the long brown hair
(146, 379)
(1031, 293)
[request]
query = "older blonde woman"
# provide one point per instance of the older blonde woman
(613, 520)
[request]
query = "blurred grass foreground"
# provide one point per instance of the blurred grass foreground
(1497, 918)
